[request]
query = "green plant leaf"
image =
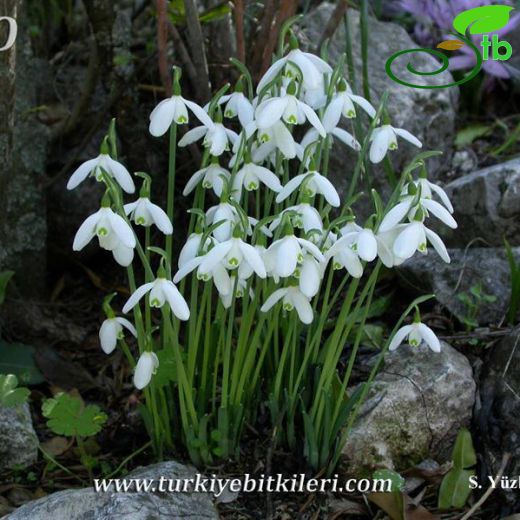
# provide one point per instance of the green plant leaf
(67, 415)
(5, 277)
(468, 135)
(482, 20)
(167, 372)
(397, 482)
(17, 359)
(10, 395)
(455, 489)
(464, 455)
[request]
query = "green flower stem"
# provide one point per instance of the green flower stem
(227, 349)
(171, 191)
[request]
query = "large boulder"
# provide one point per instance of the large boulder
(484, 270)
(497, 414)
(18, 440)
(87, 504)
(415, 408)
(487, 206)
(427, 113)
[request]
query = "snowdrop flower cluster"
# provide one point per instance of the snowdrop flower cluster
(274, 235)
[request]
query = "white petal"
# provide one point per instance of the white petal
(346, 138)
(121, 175)
(269, 112)
(395, 216)
(221, 280)
(186, 268)
(193, 181)
(328, 190)
(367, 245)
(287, 256)
(162, 117)
(399, 337)
(270, 74)
(312, 249)
(108, 336)
(408, 240)
(123, 231)
(128, 325)
(253, 259)
(144, 369)
(86, 232)
(136, 296)
(199, 113)
(193, 135)
(440, 212)
(302, 306)
(215, 256)
(273, 299)
(268, 178)
(310, 278)
(314, 120)
(81, 173)
(284, 141)
(438, 245)
(123, 255)
(380, 143)
(218, 141)
(332, 114)
(405, 134)
(429, 337)
(177, 303)
(160, 218)
(442, 195)
(364, 104)
(292, 185)
(128, 208)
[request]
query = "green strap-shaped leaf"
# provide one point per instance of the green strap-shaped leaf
(482, 20)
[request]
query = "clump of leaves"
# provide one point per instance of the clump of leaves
(67, 415)
(10, 394)
(473, 301)
(455, 487)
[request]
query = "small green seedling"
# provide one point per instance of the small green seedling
(473, 301)
(11, 395)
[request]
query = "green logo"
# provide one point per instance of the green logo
(479, 20)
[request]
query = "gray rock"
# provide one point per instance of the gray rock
(23, 150)
(485, 266)
(86, 504)
(427, 113)
(498, 410)
(414, 410)
(18, 440)
(487, 206)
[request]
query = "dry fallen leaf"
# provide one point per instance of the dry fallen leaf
(450, 45)
(56, 446)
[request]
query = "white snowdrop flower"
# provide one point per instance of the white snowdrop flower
(346, 258)
(112, 330)
(237, 104)
(342, 104)
(216, 137)
(283, 256)
(217, 273)
(289, 109)
(307, 218)
(241, 288)
(161, 291)
(385, 138)
(226, 213)
(144, 213)
(310, 275)
(292, 298)
(250, 176)
(311, 66)
(113, 232)
(414, 237)
(310, 184)
(416, 333)
(175, 109)
(273, 138)
(146, 367)
(232, 254)
(103, 163)
(212, 177)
